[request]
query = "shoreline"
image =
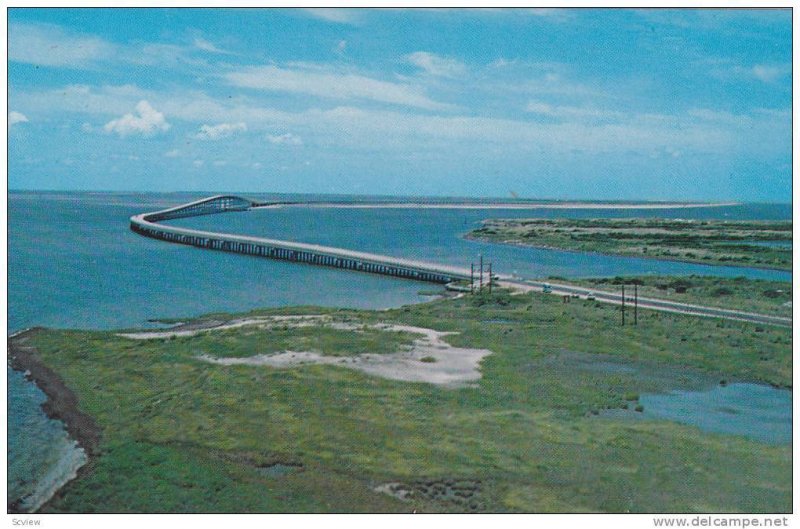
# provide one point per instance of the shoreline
(61, 405)
(504, 205)
(468, 237)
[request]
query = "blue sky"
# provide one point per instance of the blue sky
(544, 103)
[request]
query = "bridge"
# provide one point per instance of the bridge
(148, 225)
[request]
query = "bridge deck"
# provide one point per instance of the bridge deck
(147, 224)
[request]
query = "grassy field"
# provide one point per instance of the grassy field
(182, 435)
(738, 243)
(739, 293)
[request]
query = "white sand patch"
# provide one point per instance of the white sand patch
(444, 364)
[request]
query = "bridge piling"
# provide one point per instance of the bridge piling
(147, 225)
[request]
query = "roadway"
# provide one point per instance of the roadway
(662, 305)
(147, 224)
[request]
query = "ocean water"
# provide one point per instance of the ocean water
(74, 263)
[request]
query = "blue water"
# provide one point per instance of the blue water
(40, 453)
(73, 263)
(759, 412)
(436, 235)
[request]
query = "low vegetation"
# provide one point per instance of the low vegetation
(764, 244)
(739, 293)
(181, 435)
(251, 341)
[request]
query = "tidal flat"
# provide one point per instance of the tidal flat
(180, 434)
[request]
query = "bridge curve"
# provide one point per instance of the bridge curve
(148, 225)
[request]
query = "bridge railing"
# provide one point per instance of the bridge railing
(206, 206)
(147, 224)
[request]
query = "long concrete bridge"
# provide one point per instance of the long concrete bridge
(148, 224)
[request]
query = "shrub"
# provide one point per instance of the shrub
(681, 284)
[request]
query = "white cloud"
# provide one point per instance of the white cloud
(436, 65)
(15, 117)
(769, 73)
(555, 14)
(284, 139)
(340, 48)
(223, 130)
(766, 73)
(198, 163)
(332, 84)
(718, 116)
(571, 112)
(174, 153)
(761, 132)
(220, 163)
(205, 45)
(49, 45)
(146, 122)
(502, 63)
(339, 16)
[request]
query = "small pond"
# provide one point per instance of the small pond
(760, 412)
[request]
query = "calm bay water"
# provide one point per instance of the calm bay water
(73, 263)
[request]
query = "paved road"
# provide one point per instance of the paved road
(562, 289)
(147, 220)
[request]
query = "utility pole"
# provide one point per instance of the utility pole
(623, 304)
(635, 304)
(472, 278)
(480, 281)
(490, 279)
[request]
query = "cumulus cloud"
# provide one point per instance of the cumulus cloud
(223, 130)
(763, 133)
(174, 153)
(147, 121)
(15, 117)
(284, 139)
(435, 64)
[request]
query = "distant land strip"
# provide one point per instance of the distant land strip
(502, 205)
